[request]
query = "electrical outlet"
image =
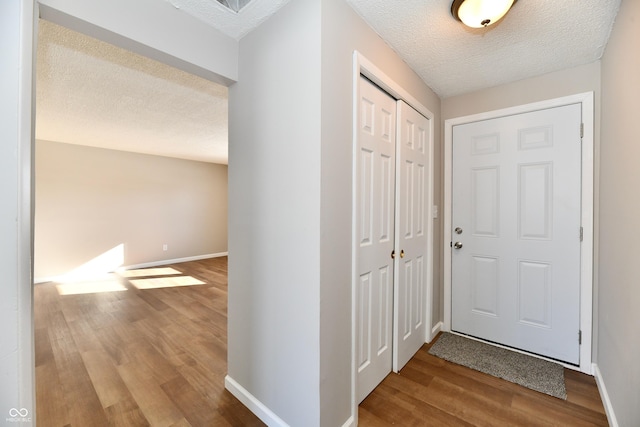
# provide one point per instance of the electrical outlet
(165, 247)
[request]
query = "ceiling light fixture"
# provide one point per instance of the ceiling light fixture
(480, 13)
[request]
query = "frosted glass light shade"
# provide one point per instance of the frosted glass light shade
(480, 13)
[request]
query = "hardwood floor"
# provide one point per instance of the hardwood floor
(137, 357)
(430, 391)
(158, 357)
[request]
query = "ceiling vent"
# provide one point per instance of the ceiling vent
(234, 5)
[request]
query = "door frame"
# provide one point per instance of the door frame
(586, 100)
(364, 67)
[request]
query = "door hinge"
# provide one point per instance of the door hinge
(581, 233)
(581, 130)
(580, 337)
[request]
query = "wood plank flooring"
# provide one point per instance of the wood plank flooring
(158, 357)
(430, 391)
(137, 357)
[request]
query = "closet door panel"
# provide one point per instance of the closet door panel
(375, 225)
(412, 238)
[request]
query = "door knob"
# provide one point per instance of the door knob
(393, 254)
(401, 253)
(457, 245)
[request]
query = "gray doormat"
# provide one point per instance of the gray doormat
(531, 372)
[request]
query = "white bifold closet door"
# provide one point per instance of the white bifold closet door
(391, 229)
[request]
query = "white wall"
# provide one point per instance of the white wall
(619, 296)
(16, 317)
(90, 200)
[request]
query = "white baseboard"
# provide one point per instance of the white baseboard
(265, 414)
(143, 265)
(435, 330)
(174, 261)
(351, 422)
(608, 408)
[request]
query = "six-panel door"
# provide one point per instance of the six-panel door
(412, 238)
(375, 204)
(516, 231)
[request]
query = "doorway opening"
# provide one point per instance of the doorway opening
(116, 192)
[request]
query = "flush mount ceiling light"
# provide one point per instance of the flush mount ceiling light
(480, 13)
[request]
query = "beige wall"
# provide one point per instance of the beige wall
(90, 200)
(619, 296)
(290, 178)
(274, 227)
(584, 78)
(343, 31)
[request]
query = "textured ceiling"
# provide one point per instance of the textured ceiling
(92, 93)
(535, 37)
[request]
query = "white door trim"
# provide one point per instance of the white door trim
(586, 261)
(362, 66)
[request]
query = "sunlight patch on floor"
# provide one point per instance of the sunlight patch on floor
(91, 279)
(97, 267)
(106, 283)
(166, 282)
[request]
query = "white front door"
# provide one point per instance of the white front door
(516, 196)
(375, 188)
(412, 226)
